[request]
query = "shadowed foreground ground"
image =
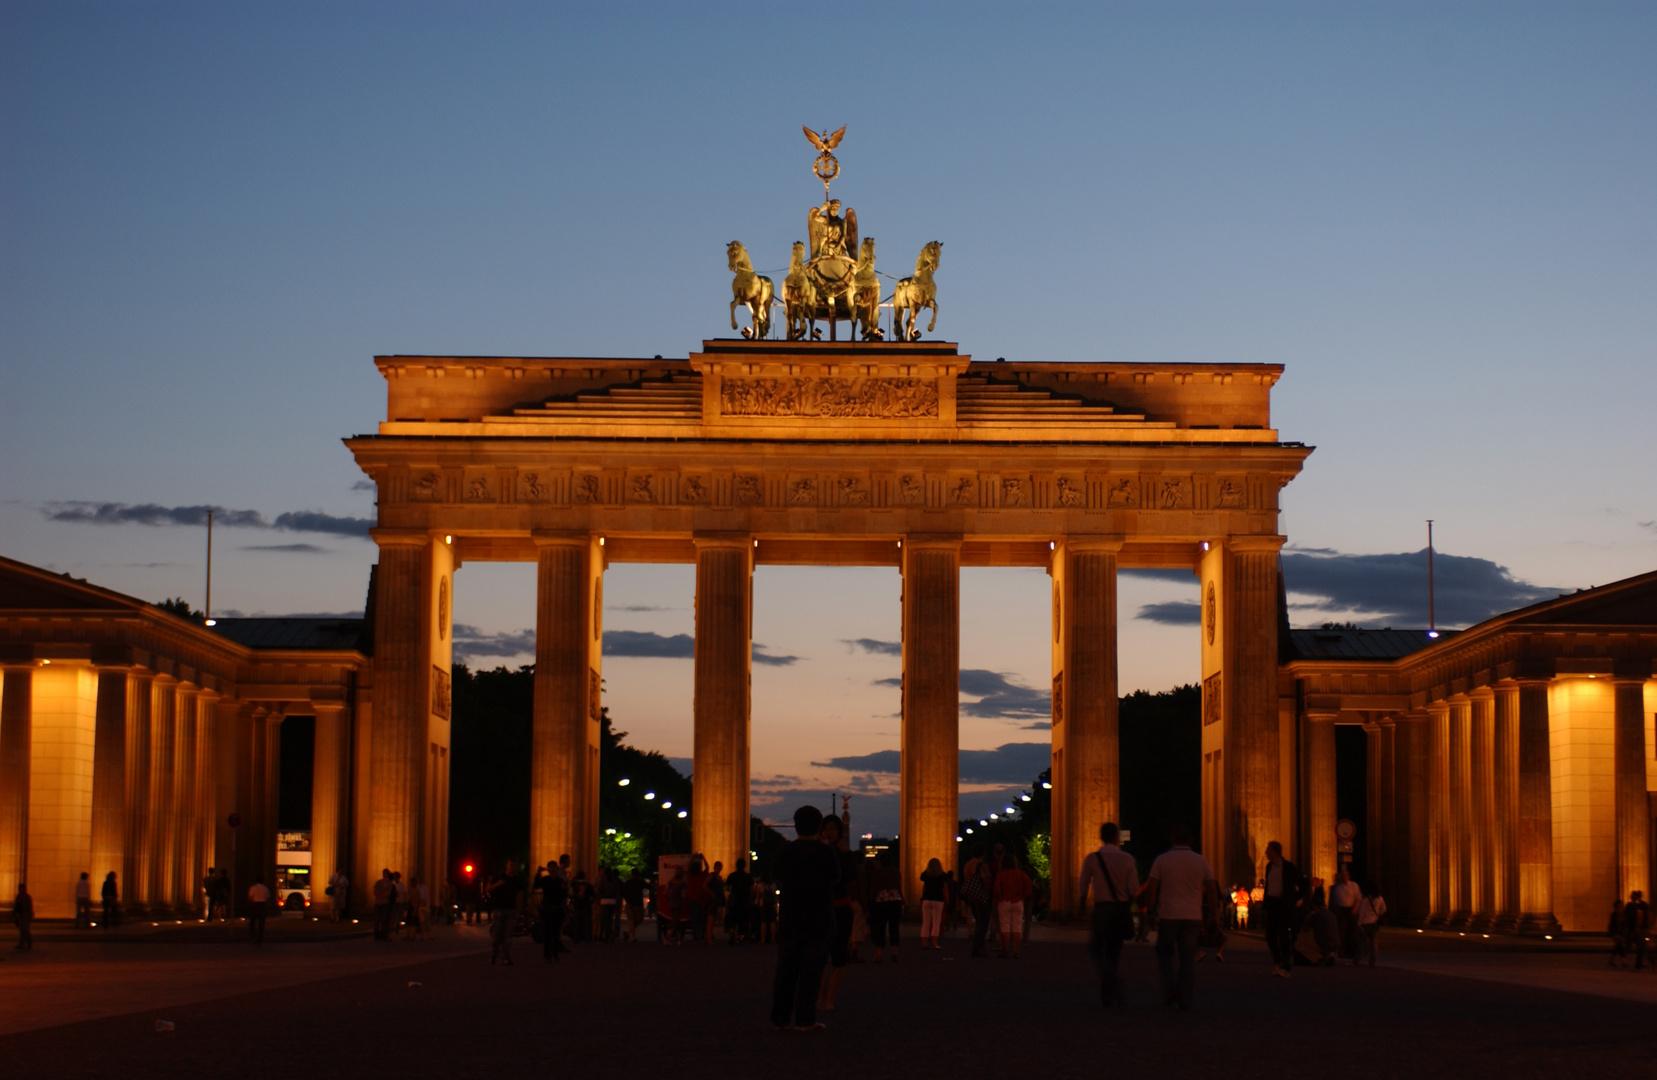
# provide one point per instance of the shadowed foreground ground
(698, 1011)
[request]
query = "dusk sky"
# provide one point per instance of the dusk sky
(1441, 218)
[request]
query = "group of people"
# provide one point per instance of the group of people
(399, 906)
(1631, 924)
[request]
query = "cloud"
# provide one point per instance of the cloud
(470, 643)
(1001, 696)
(1172, 613)
(1183, 577)
(1391, 589)
(895, 680)
(878, 648)
(296, 549)
(1009, 763)
(638, 607)
(763, 657)
(365, 484)
(109, 513)
(647, 643)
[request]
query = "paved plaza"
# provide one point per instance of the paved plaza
(323, 1007)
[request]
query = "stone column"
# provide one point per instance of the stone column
(1629, 753)
(1482, 790)
(270, 790)
(1321, 816)
(1461, 812)
(1412, 837)
(1252, 752)
(1378, 799)
(1438, 812)
(1535, 810)
(160, 822)
(109, 780)
(139, 856)
(64, 725)
(401, 695)
(185, 869)
(564, 761)
(207, 793)
(1504, 845)
(931, 737)
(328, 793)
(724, 637)
(16, 739)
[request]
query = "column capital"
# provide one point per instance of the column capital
(400, 537)
(1101, 544)
(1482, 693)
(932, 542)
(545, 538)
(1267, 544)
(1635, 670)
(715, 539)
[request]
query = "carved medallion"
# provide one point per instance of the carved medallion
(1014, 492)
(693, 490)
(1211, 613)
(1121, 493)
(1230, 495)
(587, 489)
(748, 490)
(892, 399)
(1070, 492)
(440, 692)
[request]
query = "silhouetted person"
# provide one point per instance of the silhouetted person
(1112, 877)
(83, 901)
(23, 914)
(739, 902)
(555, 898)
(505, 900)
(806, 871)
(1179, 882)
(258, 899)
(1637, 915)
(111, 896)
(382, 907)
(1284, 885)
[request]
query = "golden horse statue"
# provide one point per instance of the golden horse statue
(751, 290)
(799, 296)
(915, 293)
(866, 293)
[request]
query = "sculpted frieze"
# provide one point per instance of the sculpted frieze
(587, 489)
(910, 490)
(1122, 493)
(532, 488)
(1071, 493)
(853, 491)
(803, 492)
(747, 490)
(1229, 493)
(642, 488)
(965, 492)
(478, 490)
(1015, 491)
(693, 490)
(425, 487)
(1174, 493)
(890, 399)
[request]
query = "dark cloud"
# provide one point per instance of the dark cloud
(1000, 696)
(1009, 763)
(470, 643)
(1183, 577)
(1172, 612)
(89, 513)
(1391, 590)
(895, 680)
(638, 607)
(365, 484)
(647, 643)
(769, 659)
(295, 549)
(878, 648)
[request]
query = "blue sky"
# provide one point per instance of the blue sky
(1442, 218)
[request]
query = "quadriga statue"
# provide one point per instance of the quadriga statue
(914, 293)
(753, 291)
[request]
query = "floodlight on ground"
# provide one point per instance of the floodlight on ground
(211, 622)
(626, 836)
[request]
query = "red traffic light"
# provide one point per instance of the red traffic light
(468, 869)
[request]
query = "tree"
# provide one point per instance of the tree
(181, 607)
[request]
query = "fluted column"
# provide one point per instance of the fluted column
(564, 760)
(109, 779)
(1633, 815)
(16, 736)
(724, 636)
(160, 823)
(187, 835)
(1378, 800)
(1321, 816)
(1438, 812)
(140, 855)
(1461, 811)
(1535, 810)
(401, 695)
(207, 794)
(1253, 762)
(1482, 793)
(931, 738)
(328, 792)
(1412, 836)
(1505, 781)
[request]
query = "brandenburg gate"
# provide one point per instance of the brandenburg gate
(867, 453)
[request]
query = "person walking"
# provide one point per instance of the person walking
(382, 907)
(1111, 876)
(699, 898)
(1617, 927)
(111, 897)
(885, 904)
(222, 890)
(399, 903)
(83, 901)
(807, 871)
(505, 901)
(555, 897)
(1284, 887)
(258, 900)
(23, 914)
(581, 907)
(716, 899)
(609, 905)
(632, 894)
(832, 833)
(739, 903)
(1179, 882)
(975, 893)
(671, 906)
(1343, 901)
(767, 888)
(1637, 917)
(934, 887)
(1012, 889)
(1372, 908)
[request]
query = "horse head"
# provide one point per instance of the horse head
(796, 261)
(736, 257)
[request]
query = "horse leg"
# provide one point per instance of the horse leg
(734, 303)
(934, 306)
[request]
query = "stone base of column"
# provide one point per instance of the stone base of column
(1539, 925)
(1458, 920)
(1481, 924)
(1505, 923)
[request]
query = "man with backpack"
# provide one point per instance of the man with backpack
(1112, 876)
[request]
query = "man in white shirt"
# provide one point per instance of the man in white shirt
(1343, 901)
(1112, 876)
(258, 897)
(1180, 881)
